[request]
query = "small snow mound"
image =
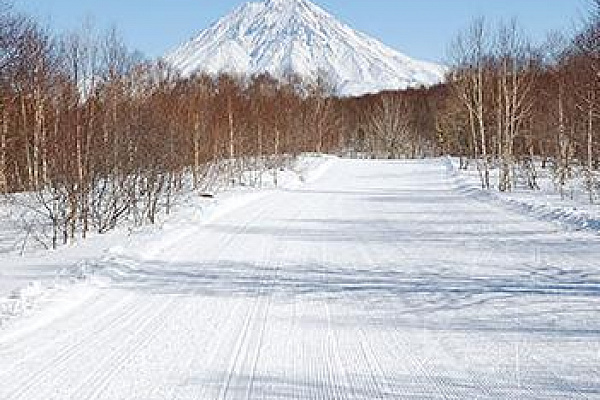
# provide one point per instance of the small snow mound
(20, 302)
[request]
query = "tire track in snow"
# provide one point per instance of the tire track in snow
(59, 365)
(566, 262)
(339, 379)
(463, 361)
(94, 386)
(72, 333)
(326, 368)
(235, 347)
(484, 230)
(380, 378)
(259, 345)
(215, 354)
(242, 372)
(197, 315)
(242, 347)
(423, 373)
(294, 361)
(281, 254)
(558, 259)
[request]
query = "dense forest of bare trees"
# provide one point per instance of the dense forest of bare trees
(95, 135)
(511, 103)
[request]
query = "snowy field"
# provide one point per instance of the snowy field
(27, 281)
(374, 279)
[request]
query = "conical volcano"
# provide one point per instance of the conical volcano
(283, 37)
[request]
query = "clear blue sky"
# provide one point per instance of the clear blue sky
(419, 28)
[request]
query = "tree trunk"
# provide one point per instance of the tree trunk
(3, 145)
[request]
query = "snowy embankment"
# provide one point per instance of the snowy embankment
(572, 211)
(29, 280)
(193, 211)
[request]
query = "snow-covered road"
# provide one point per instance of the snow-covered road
(378, 280)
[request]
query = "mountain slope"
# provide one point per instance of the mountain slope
(296, 36)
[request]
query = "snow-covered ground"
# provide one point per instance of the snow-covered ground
(378, 279)
(31, 275)
(572, 209)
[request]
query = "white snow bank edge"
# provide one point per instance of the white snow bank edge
(25, 300)
(569, 219)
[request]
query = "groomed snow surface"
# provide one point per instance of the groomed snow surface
(380, 279)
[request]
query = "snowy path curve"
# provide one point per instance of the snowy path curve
(378, 280)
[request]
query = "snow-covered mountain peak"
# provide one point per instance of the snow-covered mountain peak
(283, 3)
(281, 37)
(288, 5)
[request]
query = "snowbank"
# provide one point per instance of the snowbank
(27, 282)
(193, 210)
(48, 286)
(572, 214)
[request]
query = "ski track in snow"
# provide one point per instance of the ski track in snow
(380, 279)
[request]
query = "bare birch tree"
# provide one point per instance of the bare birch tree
(469, 55)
